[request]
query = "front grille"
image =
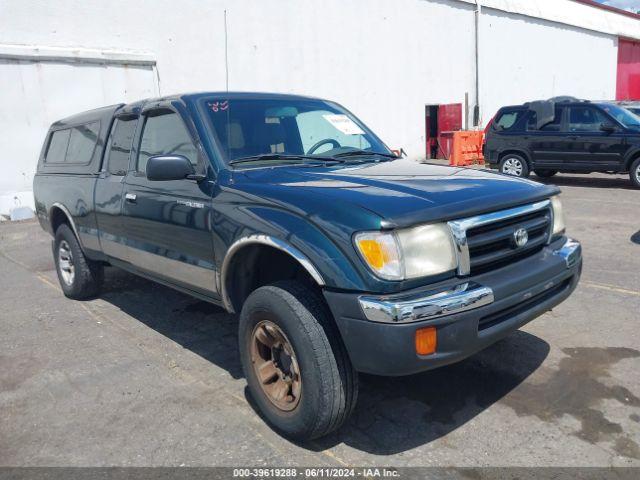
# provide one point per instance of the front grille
(493, 245)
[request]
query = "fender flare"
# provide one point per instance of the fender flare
(259, 239)
(516, 151)
(66, 212)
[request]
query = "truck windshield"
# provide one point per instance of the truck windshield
(288, 130)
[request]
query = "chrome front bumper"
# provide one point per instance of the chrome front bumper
(571, 251)
(427, 305)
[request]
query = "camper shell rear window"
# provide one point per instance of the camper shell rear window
(74, 145)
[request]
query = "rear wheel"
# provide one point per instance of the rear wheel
(514, 165)
(634, 173)
(544, 173)
(79, 277)
(297, 368)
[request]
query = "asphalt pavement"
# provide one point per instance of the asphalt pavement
(146, 376)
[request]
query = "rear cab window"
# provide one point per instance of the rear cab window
(119, 145)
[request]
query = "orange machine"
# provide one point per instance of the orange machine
(467, 148)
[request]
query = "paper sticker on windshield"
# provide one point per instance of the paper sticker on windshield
(344, 124)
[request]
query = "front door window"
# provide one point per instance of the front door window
(585, 119)
(165, 134)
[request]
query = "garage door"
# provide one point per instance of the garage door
(34, 93)
(628, 86)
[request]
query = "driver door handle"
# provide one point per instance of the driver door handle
(130, 197)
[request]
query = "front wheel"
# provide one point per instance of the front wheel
(514, 165)
(634, 173)
(297, 368)
(544, 173)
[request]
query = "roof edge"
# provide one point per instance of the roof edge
(609, 8)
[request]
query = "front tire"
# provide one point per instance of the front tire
(544, 173)
(634, 173)
(296, 366)
(514, 165)
(79, 277)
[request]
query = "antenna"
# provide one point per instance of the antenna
(226, 53)
(226, 73)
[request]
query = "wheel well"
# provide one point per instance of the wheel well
(257, 265)
(632, 159)
(57, 218)
(514, 152)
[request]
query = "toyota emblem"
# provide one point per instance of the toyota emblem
(520, 237)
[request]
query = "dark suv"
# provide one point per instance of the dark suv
(632, 106)
(564, 136)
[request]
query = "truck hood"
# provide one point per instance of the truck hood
(404, 192)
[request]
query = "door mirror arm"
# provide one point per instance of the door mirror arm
(197, 177)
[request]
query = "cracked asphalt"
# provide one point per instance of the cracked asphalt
(146, 376)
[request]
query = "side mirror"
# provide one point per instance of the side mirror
(169, 167)
(607, 127)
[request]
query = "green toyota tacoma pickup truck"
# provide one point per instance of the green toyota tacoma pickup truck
(337, 256)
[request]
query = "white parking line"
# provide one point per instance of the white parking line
(611, 288)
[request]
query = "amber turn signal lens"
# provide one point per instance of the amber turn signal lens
(426, 341)
(374, 253)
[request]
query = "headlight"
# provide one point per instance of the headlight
(558, 216)
(381, 252)
(410, 253)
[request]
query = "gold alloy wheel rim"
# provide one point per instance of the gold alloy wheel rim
(275, 365)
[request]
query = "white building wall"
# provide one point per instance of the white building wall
(35, 93)
(524, 58)
(569, 12)
(383, 59)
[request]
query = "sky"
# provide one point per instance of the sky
(631, 5)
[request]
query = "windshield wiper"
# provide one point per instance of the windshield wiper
(278, 156)
(362, 153)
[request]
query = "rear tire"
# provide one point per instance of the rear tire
(634, 173)
(544, 173)
(79, 277)
(514, 165)
(297, 322)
